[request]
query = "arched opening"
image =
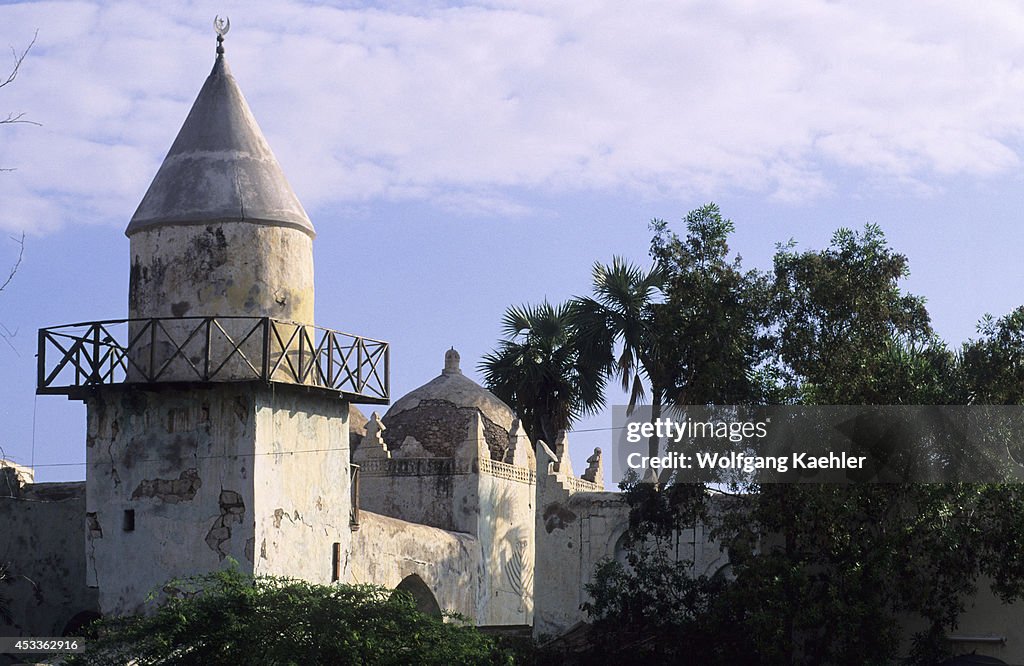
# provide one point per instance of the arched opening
(79, 622)
(421, 594)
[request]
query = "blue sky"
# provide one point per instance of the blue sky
(457, 158)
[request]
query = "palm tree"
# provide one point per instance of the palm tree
(622, 315)
(543, 369)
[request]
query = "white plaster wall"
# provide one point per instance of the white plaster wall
(222, 269)
(385, 550)
(506, 528)
(419, 498)
(301, 483)
(229, 269)
(181, 460)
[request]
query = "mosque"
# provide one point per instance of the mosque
(223, 426)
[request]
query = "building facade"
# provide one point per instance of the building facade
(223, 427)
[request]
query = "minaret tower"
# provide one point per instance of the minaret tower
(217, 413)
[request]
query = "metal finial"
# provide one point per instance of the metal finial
(221, 26)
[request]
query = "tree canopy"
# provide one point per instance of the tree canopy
(818, 574)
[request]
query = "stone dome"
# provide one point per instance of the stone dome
(437, 414)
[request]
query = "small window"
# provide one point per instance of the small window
(129, 520)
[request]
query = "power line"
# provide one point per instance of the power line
(250, 455)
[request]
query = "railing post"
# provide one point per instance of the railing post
(152, 351)
(387, 371)
(41, 359)
(302, 343)
(267, 323)
(209, 349)
(359, 366)
(94, 370)
(330, 359)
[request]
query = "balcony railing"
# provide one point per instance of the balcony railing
(76, 357)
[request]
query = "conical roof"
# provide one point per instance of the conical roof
(220, 168)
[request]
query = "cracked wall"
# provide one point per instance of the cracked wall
(203, 472)
(166, 456)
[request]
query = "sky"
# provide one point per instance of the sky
(457, 158)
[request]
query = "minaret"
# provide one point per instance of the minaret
(217, 414)
(220, 231)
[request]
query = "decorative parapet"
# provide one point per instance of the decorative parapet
(414, 467)
(75, 358)
(557, 467)
(445, 467)
(503, 470)
(577, 485)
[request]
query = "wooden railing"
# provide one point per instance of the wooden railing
(79, 356)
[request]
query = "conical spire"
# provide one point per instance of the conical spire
(220, 168)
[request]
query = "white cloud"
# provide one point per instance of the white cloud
(466, 106)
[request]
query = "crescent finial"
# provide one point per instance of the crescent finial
(221, 25)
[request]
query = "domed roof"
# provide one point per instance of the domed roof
(437, 413)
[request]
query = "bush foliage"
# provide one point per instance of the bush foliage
(231, 618)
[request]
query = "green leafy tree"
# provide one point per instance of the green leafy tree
(229, 618)
(544, 370)
(844, 324)
(824, 574)
(993, 365)
(711, 330)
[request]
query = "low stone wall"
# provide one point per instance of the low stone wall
(386, 551)
(42, 545)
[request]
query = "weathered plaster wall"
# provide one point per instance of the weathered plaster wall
(574, 531)
(385, 551)
(231, 269)
(187, 462)
(191, 464)
(506, 529)
(418, 490)
(302, 485)
(223, 269)
(42, 533)
(573, 535)
(181, 460)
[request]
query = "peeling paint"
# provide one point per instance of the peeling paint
(172, 491)
(557, 517)
(232, 508)
(242, 409)
(93, 525)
